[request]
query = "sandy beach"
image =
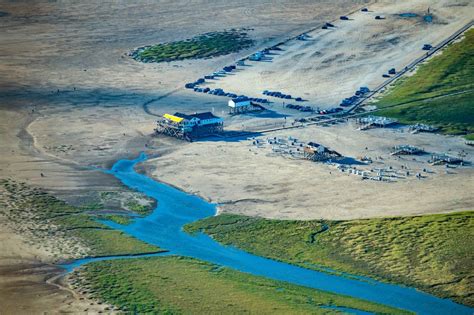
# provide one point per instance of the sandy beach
(69, 94)
(244, 179)
(71, 101)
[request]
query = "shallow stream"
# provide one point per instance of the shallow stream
(176, 208)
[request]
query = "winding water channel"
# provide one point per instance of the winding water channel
(176, 208)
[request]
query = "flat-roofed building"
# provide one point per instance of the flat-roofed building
(240, 105)
(190, 126)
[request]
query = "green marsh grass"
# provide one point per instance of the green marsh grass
(440, 93)
(202, 46)
(434, 253)
(177, 285)
(55, 216)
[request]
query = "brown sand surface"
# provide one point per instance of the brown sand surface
(332, 64)
(242, 178)
(30, 284)
(71, 99)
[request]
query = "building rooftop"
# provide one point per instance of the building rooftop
(178, 117)
(205, 115)
(184, 116)
(240, 99)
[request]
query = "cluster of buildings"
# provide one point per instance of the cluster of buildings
(194, 126)
(406, 150)
(190, 126)
(318, 153)
(444, 159)
(422, 128)
(375, 121)
(299, 150)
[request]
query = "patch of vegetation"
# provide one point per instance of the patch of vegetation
(440, 93)
(126, 200)
(169, 285)
(137, 207)
(92, 206)
(47, 218)
(203, 46)
(120, 219)
(434, 253)
(109, 194)
(105, 242)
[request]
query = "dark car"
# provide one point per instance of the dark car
(364, 89)
(306, 109)
(427, 47)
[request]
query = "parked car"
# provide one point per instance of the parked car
(427, 47)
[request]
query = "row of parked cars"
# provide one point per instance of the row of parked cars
(281, 95)
(391, 71)
(221, 92)
(330, 111)
(218, 92)
(349, 101)
(300, 108)
(212, 76)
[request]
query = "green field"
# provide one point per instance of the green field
(434, 253)
(440, 93)
(23, 204)
(202, 46)
(171, 285)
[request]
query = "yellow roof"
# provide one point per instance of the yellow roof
(173, 118)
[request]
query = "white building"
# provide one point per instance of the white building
(239, 102)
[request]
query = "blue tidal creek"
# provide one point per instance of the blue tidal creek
(176, 208)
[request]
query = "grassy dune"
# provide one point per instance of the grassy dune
(431, 94)
(170, 285)
(434, 253)
(202, 46)
(47, 218)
